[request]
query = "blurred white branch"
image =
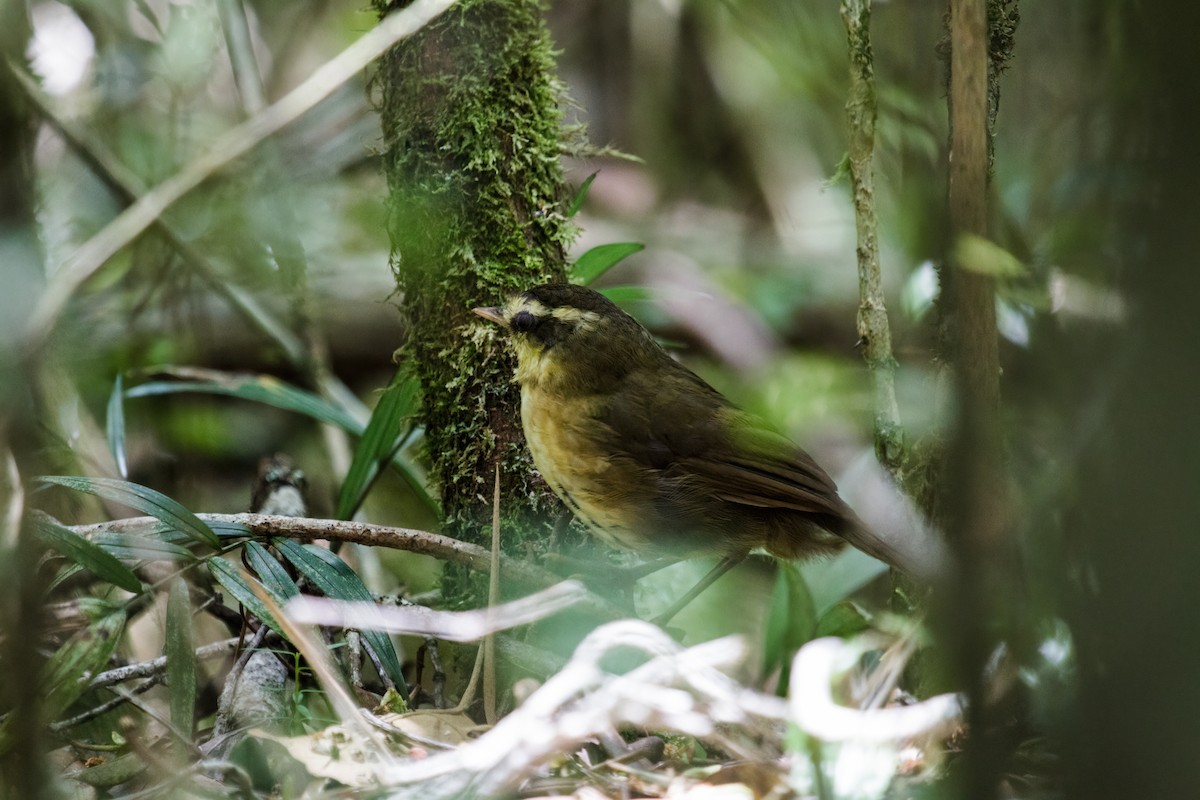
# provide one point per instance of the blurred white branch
(677, 689)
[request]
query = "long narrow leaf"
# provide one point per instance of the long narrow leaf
(134, 547)
(600, 259)
(116, 426)
(181, 657)
(144, 499)
(86, 554)
(379, 441)
(231, 580)
(412, 473)
(272, 574)
(791, 623)
(257, 388)
(577, 200)
(335, 578)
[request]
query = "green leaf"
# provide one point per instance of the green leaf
(600, 259)
(116, 426)
(626, 294)
(577, 200)
(232, 581)
(830, 582)
(144, 499)
(792, 622)
(260, 389)
(181, 657)
(983, 256)
(380, 441)
(335, 578)
(843, 620)
(272, 574)
(228, 530)
(86, 554)
(72, 666)
(134, 547)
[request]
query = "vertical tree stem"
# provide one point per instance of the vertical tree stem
(873, 328)
(973, 503)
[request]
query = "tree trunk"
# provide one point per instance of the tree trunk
(472, 136)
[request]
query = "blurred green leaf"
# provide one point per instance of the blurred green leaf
(87, 652)
(260, 389)
(181, 657)
(270, 391)
(134, 547)
(830, 582)
(116, 426)
(595, 262)
(577, 200)
(232, 581)
(144, 499)
(86, 554)
(843, 620)
(792, 622)
(626, 294)
(390, 421)
(985, 257)
(335, 578)
(272, 574)
(113, 772)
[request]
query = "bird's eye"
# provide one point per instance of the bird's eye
(524, 321)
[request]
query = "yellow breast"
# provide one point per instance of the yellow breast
(592, 483)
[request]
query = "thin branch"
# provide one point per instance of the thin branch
(413, 541)
(158, 665)
(873, 328)
(235, 143)
(105, 707)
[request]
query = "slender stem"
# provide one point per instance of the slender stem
(873, 329)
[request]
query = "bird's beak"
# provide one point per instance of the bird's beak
(495, 315)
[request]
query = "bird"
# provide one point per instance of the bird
(649, 456)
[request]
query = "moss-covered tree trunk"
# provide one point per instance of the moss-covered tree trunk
(471, 141)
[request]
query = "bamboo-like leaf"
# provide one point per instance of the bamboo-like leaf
(260, 389)
(577, 200)
(600, 259)
(181, 657)
(144, 499)
(272, 574)
(226, 530)
(116, 426)
(70, 668)
(233, 582)
(335, 578)
(379, 442)
(273, 392)
(86, 554)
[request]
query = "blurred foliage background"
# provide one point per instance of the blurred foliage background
(733, 112)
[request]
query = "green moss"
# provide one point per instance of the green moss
(472, 133)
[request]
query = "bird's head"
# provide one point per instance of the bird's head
(567, 335)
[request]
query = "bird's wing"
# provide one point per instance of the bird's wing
(681, 426)
(761, 468)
